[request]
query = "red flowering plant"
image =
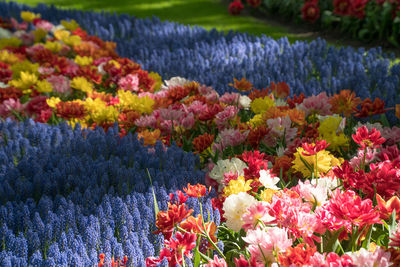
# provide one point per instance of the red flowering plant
(312, 150)
(310, 11)
(254, 3)
(367, 139)
(342, 7)
(235, 7)
(184, 233)
(113, 263)
(367, 20)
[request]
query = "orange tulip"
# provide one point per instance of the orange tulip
(345, 102)
(243, 85)
(149, 138)
(197, 190)
(386, 208)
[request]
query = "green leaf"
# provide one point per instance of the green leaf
(367, 239)
(330, 245)
(24, 99)
(393, 41)
(231, 255)
(17, 115)
(384, 120)
(358, 236)
(315, 203)
(308, 166)
(393, 225)
(380, 241)
(364, 34)
(156, 209)
(196, 262)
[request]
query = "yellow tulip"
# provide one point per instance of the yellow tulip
(29, 16)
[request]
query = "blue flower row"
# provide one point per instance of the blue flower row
(38, 160)
(60, 232)
(69, 195)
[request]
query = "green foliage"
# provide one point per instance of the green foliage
(380, 22)
(233, 243)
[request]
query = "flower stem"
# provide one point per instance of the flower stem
(316, 167)
(363, 162)
(207, 235)
(183, 260)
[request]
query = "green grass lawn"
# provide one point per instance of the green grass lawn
(206, 13)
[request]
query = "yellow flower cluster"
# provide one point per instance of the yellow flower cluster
(8, 57)
(73, 40)
(99, 112)
(29, 16)
(53, 101)
(81, 84)
(261, 105)
(39, 34)
(83, 61)
(44, 86)
(257, 120)
(320, 164)
(10, 42)
(24, 66)
(71, 25)
(267, 194)
(330, 130)
(67, 38)
(156, 77)
(130, 101)
(237, 186)
(61, 34)
(25, 81)
(54, 47)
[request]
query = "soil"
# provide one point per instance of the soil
(304, 30)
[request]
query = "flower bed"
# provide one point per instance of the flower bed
(366, 20)
(214, 59)
(300, 179)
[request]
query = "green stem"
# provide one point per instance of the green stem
(204, 257)
(183, 259)
(354, 231)
(322, 245)
(340, 246)
(363, 162)
(262, 253)
(207, 235)
(316, 166)
(17, 115)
